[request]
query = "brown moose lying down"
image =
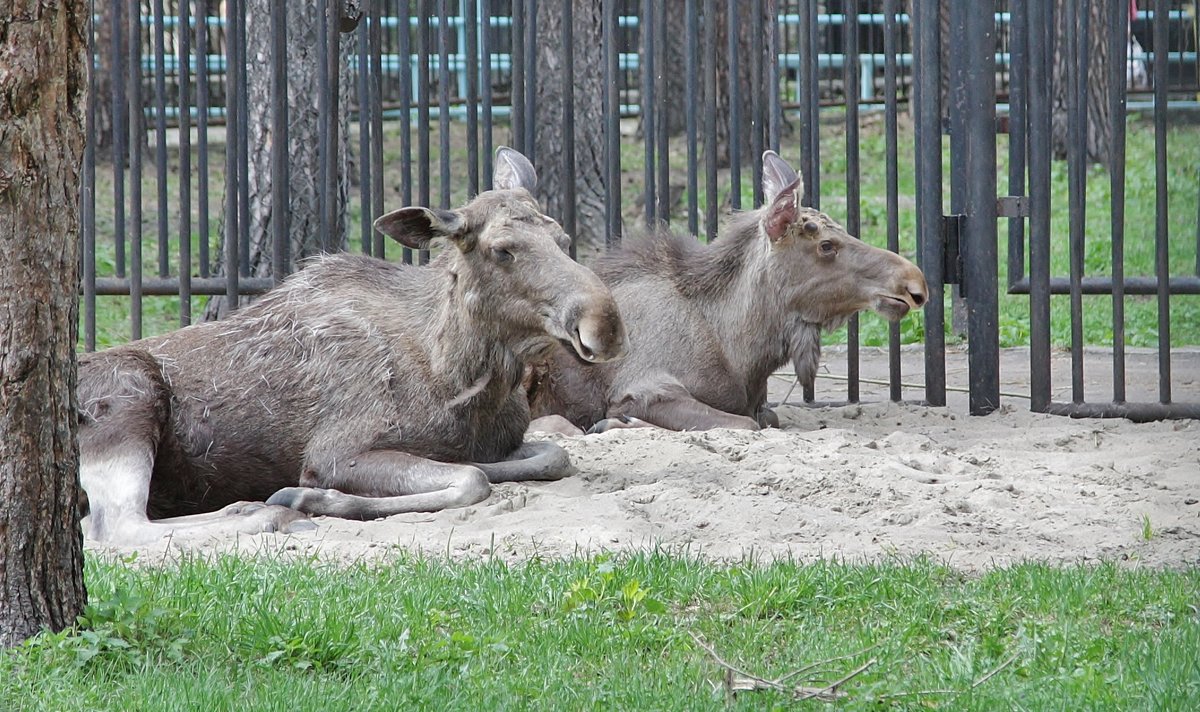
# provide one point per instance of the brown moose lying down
(357, 388)
(708, 324)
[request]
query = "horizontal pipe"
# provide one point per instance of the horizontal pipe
(1137, 412)
(168, 287)
(1104, 285)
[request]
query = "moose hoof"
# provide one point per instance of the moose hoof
(617, 423)
(301, 498)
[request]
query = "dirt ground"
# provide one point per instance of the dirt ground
(856, 482)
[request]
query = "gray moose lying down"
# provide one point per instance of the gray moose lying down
(356, 388)
(708, 324)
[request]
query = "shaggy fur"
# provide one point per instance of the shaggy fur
(354, 375)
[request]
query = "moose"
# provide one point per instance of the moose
(356, 388)
(708, 324)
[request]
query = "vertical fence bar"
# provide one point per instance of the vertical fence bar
(233, 80)
(647, 100)
(517, 64)
(530, 58)
(568, 154)
(980, 165)
(710, 119)
(732, 30)
(663, 137)
(423, 168)
(375, 39)
(280, 146)
(1041, 58)
(612, 132)
(1017, 139)
(333, 57)
(1118, 27)
(87, 197)
(775, 111)
(892, 179)
(137, 139)
(323, 97)
(363, 76)
(185, 164)
(756, 103)
(160, 134)
(1161, 225)
(406, 77)
(443, 35)
(690, 90)
(120, 129)
(850, 73)
(928, 163)
(243, 155)
(1077, 50)
(202, 219)
(804, 94)
(812, 101)
(485, 20)
(471, 33)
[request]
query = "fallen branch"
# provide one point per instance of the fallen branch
(738, 680)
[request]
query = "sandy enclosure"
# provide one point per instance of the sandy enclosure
(856, 482)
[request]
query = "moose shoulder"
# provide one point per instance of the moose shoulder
(708, 324)
(357, 388)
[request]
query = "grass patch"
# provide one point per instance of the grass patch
(610, 633)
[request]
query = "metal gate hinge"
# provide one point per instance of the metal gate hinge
(1012, 206)
(952, 228)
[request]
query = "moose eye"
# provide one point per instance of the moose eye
(502, 255)
(828, 248)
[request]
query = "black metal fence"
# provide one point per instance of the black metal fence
(436, 69)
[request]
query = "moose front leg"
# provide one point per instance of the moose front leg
(381, 483)
(674, 409)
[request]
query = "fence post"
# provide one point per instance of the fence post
(976, 99)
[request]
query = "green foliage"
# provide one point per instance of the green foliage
(601, 592)
(613, 632)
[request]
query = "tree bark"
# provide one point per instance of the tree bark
(302, 211)
(42, 92)
(588, 138)
(1098, 124)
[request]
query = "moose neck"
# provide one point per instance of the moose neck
(746, 309)
(468, 351)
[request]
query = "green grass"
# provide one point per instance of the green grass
(227, 633)
(1141, 319)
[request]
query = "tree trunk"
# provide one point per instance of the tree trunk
(589, 118)
(42, 92)
(1099, 126)
(302, 213)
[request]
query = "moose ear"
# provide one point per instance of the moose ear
(777, 175)
(416, 227)
(782, 212)
(513, 170)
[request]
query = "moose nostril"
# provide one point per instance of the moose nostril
(918, 298)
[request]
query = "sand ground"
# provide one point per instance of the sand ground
(857, 482)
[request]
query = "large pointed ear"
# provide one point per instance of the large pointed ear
(777, 175)
(416, 227)
(782, 211)
(513, 170)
